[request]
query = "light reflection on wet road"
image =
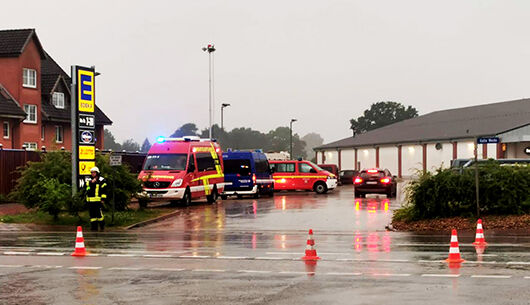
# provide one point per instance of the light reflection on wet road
(237, 239)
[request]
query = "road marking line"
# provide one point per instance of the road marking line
(485, 276)
(478, 262)
(429, 261)
(16, 253)
(295, 272)
(344, 273)
(518, 263)
(487, 255)
(51, 253)
(158, 255)
(254, 271)
(527, 277)
(233, 257)
(92, 254)
(209, 270)
(11, 266)
(194, 256)
(85, 267)
(439, 275)
(46, 266)
(280, 253)
(125, 268)
(394, 260)
(121, 255)
(168, 269)
(391, 274)
(270, 258)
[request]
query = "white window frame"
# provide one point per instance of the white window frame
(42, 132)
(4, 124)
(28, 113)
(31, 146)
(58, 102)
(59, 133)
(29, 78)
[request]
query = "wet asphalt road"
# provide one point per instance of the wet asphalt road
(248, 252)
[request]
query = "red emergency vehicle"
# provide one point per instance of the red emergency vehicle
(301, 175)
(183, 169)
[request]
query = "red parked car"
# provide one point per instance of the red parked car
(375, 180)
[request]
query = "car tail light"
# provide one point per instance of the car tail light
(254, 178)
(358, 180)
(385, 180)
(372, 171)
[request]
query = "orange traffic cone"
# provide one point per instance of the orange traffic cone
(479, 236)
(79, 243)
(454, 250)
(310, 251)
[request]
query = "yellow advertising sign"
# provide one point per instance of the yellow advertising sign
(85, 166)
(87, 152)
(85, 90)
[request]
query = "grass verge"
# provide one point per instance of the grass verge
(121, 219)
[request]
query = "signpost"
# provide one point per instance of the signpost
(83, 125)
(481, 140)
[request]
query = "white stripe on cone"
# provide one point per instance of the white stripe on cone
(454, 250)
(79, 234)
(79, 245)
(479, 235)
(479, 226)
(454, 238)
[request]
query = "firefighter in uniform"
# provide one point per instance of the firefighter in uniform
(96, 196)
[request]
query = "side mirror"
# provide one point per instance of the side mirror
(191, 168)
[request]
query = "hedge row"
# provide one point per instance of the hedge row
(446, 193)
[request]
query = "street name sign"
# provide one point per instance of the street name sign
(488, 140)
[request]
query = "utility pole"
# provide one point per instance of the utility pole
(210, 49)
(291, 137)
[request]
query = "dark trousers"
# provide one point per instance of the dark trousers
(95, 209)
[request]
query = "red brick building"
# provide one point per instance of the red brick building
(35, 96)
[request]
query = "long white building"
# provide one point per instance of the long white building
(435, 139)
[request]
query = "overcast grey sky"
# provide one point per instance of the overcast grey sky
(322, 62)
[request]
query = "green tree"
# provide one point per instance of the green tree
(145, 146)
(381, 114)
(188, 129)
(110, 141)
(130, 145)
(280, 141)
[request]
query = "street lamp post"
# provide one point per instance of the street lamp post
(210, 49)
(291, 138)
(223, 106)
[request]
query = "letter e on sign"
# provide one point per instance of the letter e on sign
(85, 88)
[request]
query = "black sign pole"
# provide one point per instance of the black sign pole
(476, 177)
(73, 118)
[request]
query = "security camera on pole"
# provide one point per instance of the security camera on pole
(210, 49)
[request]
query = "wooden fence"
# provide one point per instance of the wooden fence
(12, 159)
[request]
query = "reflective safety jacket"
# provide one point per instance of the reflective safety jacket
(96, 191)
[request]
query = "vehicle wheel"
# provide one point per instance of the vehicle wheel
(256, 196)
(224, 197)
(186, 200)
(213, 197)
(320, 188)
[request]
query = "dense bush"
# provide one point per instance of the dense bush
(46, 185)
(446, 193)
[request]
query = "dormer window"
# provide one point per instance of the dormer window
(58, 100)
(29, 78)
